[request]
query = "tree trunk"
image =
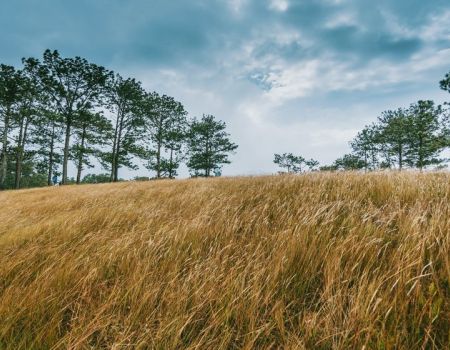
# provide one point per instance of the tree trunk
(116, 159)
(20, 150)
(119, 140)
(50, 156)
(4, 161)
(420, 154)
(158, 150)
(66, 149)
(365, 162)
(400, 158)
(171, 164)
(208, 160)
(158, 161)
(113, 155)
(80, 155)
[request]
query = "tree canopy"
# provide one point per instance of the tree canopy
(58, 110)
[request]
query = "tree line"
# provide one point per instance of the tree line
(413, 137)
(59, 110)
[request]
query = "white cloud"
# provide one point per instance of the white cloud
(438, 27)
(237, 5)
(343, 18)
(279, 5)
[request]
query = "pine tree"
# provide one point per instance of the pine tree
(92, 130)
(125, 97)
(47, 138)
(426, 140)
(10, 95)
(72, 84)
(395, 127)
(290, 162)
(208, 146)
(349, 162)
(365, 146)
(166, 129)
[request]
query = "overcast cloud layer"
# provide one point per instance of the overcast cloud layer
(299, 76)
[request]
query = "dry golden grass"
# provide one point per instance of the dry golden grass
(319, 261)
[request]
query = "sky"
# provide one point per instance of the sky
(300, 76)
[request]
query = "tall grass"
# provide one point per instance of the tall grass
(319, 261)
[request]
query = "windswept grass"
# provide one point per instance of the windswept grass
(319, 261)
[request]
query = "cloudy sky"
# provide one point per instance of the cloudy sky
(299, 76)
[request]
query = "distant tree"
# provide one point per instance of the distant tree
(445, 83)
(209, 146)
(72, 85)
(446, 125)
(10, 95)
(312, 164)
(92, 130)
(365, 146)
(166, 125)
(125, 98)
(31, 176)
(332, 167)
(96, 178)
(290, 162)
(141, 178)
(426, 140)
(350, 162)
(395, 129)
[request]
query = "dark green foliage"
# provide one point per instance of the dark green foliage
(125, 100)
(96, 178)
(59, 109)
(141, 178)
(414, 137)
(93, 131)
(445, 83)
(295, 164)
(394, 136)
(47, 139)
(349, 162)
(366, 146)
(72, 86)
(426, 140)
(208, 145)
(166, 126)
(10, 95)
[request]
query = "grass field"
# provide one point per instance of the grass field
(317, 261)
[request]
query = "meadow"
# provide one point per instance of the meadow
(314, 261)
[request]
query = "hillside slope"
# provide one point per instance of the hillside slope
(319, 261)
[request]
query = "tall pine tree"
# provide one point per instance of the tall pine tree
(72, 84)
(209, 146)
(125, 97)
(426, 140)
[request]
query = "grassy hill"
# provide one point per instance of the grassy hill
(318, 261)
